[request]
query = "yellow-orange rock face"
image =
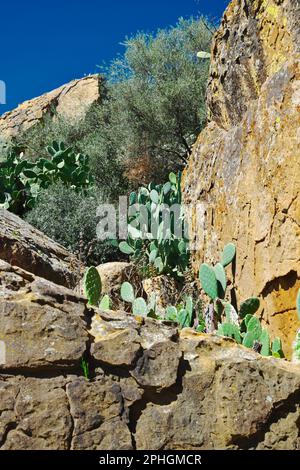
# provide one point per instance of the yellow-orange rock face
(244, 173)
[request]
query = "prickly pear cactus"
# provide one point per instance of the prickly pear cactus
(208, 281)
(231, 314)
(265, 343)
(127, 292)
(105, 303)
(221, 276)
(139, 307)
(228, 254)
(249, 307)
(298, 304)
(249, 340)
(254, 327)
(231, 331)
(92, 286)
(296, 348)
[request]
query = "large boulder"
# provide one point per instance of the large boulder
(243, 178)
(70, 101)
(149, 386)
(23, 246)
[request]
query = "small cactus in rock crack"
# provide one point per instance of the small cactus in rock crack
(228, 254)
(249, 307)
(296, 348)
(92, 286)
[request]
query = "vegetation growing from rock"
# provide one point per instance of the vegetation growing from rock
(163, 245)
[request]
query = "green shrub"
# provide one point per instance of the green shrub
(70, 219)
(152, 110)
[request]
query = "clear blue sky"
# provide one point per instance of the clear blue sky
(45, 44)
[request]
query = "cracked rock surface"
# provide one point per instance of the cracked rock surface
(71, 101)
(150, 387)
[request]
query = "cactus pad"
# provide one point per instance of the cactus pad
(105, 303)
(265, 343)
(221, 276)
(249, 340)
(92, 286)
(277, 348)
(139, 307)
(228, 254)
(249, 307)
(255, 328)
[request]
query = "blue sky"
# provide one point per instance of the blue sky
(45, 44)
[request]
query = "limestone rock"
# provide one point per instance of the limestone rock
(70, 101)
(34, 414)
(24, 246)
(243, 178)
(42, 325)
(181, 391)
(116, 342)
(220, 379)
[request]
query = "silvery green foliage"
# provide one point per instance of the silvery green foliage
(69, 218)
(21, 180)
(296, 348)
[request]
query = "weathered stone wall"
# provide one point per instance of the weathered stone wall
(245, 168)
(70, 101)
(150, 386)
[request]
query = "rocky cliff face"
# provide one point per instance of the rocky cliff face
(150, 387)
(70, 101)
(244, 173)
(23, 246)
